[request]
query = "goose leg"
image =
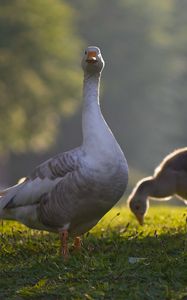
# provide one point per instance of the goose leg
(77, 243)
(63, 235)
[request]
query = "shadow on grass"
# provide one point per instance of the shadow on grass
(32, 269)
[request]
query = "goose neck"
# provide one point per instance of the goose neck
(93, 124)
(91, 87)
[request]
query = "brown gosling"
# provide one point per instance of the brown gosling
(169, 179)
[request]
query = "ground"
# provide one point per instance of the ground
(119, 260)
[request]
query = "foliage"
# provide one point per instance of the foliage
(119, 260)
(39, 71)
(143, 84)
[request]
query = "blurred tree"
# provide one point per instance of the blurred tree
(179, 74)
(136, 38)
(39, 71)
(144, 87)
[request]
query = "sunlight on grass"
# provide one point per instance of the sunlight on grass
(119, 260)
(159, 219)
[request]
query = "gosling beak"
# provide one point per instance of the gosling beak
(91, 57)
(140, 218)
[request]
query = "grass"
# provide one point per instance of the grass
(119, 260)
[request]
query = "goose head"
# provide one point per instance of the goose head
(92, 61)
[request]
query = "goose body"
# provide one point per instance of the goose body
(74, 189)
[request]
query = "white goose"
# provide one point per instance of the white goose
(70, 192)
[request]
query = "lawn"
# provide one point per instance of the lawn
(119, 260)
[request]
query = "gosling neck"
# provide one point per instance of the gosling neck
(145, 188)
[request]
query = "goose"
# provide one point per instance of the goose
(69, 193)
(169, 179)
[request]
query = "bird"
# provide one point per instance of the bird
(169, 179)
(70, 192)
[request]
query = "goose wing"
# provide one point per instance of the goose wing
(57, 166)
(41, 181)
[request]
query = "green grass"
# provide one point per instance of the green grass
(30, 267)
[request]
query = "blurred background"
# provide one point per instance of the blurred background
(144, 83)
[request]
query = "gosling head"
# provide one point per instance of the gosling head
(138, 200)
(139, 208)
(92, 61)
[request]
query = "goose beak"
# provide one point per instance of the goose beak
(91, 57)
(140, 218)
